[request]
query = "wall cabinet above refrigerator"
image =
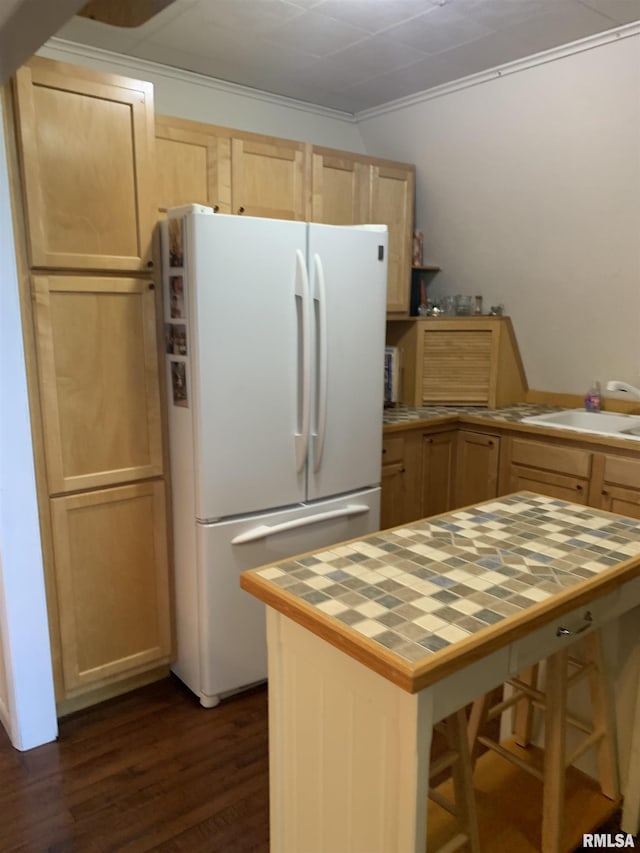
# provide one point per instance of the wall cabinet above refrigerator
(239, 172)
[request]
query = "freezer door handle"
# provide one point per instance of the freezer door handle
(264, 530)
(320, 305)
(304, 362)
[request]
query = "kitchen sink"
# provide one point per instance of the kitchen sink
(598, 423)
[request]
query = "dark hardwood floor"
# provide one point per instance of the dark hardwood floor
(150, 770)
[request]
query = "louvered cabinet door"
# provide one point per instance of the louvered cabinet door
(98, 380)
(87, 148)
(110, 551)
(457, 366)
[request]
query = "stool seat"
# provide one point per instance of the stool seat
(562, 672)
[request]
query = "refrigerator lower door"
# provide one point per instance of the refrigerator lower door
(348, 281)
(232, 646)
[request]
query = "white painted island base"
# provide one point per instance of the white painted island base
(349, 750)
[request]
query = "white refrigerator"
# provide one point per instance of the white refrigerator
(274, 338)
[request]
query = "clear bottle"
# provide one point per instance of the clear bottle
(593, 397)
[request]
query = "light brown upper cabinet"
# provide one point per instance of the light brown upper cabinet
(340, 187)
(392, 197)
(267, 177)
(188, 165)
(98, 377)
(87, 144)
(229, 170)
(348, 189)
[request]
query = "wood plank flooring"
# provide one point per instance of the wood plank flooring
(148, 771)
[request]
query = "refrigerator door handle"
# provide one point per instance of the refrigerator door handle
(320, 304)
(264, 530)
(304, 362)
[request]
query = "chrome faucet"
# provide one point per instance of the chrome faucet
(616, 385)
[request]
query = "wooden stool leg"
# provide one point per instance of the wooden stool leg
(603, 719)
(477, 719)
(554, 764)
(523, 710)
(462, 773)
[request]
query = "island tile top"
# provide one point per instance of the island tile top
(417, 589)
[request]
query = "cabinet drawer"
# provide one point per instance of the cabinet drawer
(545, 641)
(565, 460)
(392, 449)
(622, 471)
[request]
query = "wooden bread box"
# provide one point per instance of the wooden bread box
(468, 361)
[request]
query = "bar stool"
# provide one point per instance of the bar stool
(563, 671)
(457, 757)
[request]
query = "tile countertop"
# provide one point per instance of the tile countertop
(509, 414)
(419, 601)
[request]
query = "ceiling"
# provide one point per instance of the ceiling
(351, 55)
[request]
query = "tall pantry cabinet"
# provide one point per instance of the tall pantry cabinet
(86, 145)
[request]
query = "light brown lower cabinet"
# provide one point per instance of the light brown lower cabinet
(401, 478)
(546, 467)
(112, 583)
(438, 452)
(476, 467)
(615, 484)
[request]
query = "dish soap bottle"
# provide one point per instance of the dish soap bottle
(592, 397)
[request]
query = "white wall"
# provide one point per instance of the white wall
(27, 706)
(528, 192)
(199, 98)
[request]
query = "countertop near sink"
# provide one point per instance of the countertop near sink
(508, 414)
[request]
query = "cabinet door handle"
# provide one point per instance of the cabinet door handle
(605, 493)
(402, 470)
(152, 286)
(490, 443)
(241, 210)
(579, 487)
(216, 208)
(150, 264)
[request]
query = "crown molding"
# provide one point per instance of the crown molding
(124, 61)
(518, 65)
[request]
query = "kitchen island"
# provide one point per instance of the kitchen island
(373, 641)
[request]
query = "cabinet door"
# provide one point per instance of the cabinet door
(549, 483)
(87, 152)
(392, 198)
(456, 367)
(340, 187)
(98, 377)
(193, 165)
(113, 587)
(615, 484)
(437, 472)
(267, 177)
(476, 467)
(547, 467)
(401, 498)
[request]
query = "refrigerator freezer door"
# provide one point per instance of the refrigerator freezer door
(348, 275)
(250, 334)
(232, 633)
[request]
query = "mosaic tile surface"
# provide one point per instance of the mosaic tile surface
(419, 588)
(509, 414)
